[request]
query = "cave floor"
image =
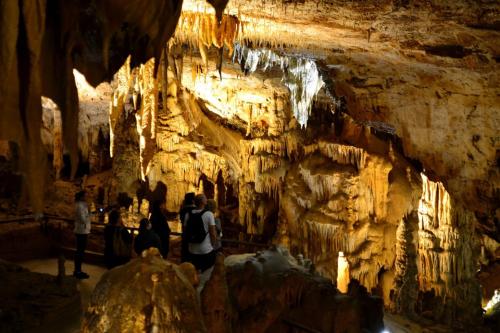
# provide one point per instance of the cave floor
(70, 321)
(398, 324)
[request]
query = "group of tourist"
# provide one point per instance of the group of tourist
(201, 233)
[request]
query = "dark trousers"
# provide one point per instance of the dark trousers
(184, 249)
(81, 244)
(165, 245)
(202, 262)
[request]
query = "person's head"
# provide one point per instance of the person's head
(80, 196)
(144, 225)
(211, 205)
(114, 217)
(189, 199)
(200, 200)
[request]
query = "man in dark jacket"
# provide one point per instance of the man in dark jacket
(187, 206)
(147, 238)
(160, 227)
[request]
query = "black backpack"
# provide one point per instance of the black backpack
(195, 229)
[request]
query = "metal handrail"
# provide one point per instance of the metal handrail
(46, 217)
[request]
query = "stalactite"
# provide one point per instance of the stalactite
(323, 187)
(198, 28)
(146, 115)
(343, 154)
(121, 92)
(300, 76)
(268, 184)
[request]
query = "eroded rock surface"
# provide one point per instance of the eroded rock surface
(273, 292)
(147, 294)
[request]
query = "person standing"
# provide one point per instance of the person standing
(117, 241)
(201, 235)
(160, 227)
(187, 206)
(147, 238)
(212, 206)
(81, 231)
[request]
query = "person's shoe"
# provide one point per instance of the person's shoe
(81, 275)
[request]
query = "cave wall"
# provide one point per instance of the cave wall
(43, 40)
(419, 80)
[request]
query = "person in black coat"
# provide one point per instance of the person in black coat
(147, 238)
(160, 227)
(187, 206)
(115, 229)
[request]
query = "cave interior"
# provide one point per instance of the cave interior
(352, 148)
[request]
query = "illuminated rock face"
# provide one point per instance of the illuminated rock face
(418, 80)
(336, 185)
(42, 41)
(447, 255)
(148, 294)
(270, 291)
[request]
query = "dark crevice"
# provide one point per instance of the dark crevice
(450, 50)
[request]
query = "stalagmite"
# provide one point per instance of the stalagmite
(342, 273)
(405, 281)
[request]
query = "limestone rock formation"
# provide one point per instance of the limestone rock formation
(363, 127)
(42, 41)
(265, 292)
(273, 293)
(148, 294)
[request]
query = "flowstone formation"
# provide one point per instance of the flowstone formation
(447, 251)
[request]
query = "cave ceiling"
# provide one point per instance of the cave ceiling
(425, 71)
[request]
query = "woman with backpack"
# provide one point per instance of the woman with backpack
(117, 241)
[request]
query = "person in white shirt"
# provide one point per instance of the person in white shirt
(212, 206)
(202, 254)
(81, 230)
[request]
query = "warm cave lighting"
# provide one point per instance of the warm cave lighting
(342, 273)
(83, 86)
(493, 301)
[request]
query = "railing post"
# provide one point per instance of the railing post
(61, 269)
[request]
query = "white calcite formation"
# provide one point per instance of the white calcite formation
(300, 76)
